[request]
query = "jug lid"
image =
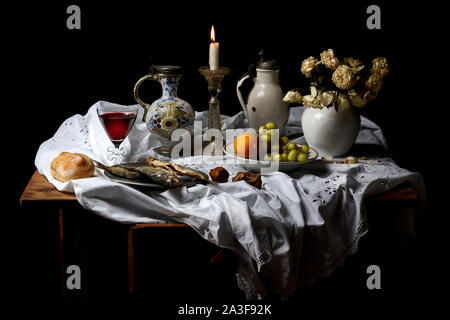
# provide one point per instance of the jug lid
(268, 65)
(167, 69)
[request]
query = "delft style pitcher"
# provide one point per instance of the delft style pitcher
(169, 112)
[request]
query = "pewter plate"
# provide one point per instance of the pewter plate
(185, 181)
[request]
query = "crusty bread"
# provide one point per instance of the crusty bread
(68, 166)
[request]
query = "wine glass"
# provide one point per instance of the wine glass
(117, 122)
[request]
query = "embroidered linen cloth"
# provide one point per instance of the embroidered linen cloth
(299, 227)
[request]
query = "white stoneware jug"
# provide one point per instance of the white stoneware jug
(265, 101)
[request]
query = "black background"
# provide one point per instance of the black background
(58, 72)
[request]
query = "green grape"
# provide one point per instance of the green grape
(271, 125)
(304, 148)
(302, 157)
(284, 156)
(284, 140)
(291, 146)
(292, 155)
(265, 138)
(284, 149)
(262, 130)
(276, 157)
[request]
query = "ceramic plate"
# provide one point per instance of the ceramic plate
(257, 165)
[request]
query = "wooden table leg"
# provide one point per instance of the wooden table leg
(131, 248)
(61, 251)
(131, 259)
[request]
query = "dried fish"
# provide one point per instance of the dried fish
(120, 171)
(178, 169)
(160, 163)
(185, 171)
(161, 176)
(166, 178)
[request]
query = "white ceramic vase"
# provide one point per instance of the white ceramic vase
(329, 131)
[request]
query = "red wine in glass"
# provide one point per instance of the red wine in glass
(118, 125)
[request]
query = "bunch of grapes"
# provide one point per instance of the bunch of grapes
(284, 151)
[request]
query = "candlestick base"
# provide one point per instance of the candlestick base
(214, 78)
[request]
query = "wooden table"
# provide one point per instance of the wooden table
(40, 193)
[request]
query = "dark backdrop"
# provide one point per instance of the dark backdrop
(59, 72)
(66, 71)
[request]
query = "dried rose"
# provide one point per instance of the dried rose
(310, 101)
(350, 160)
(344, 77)
(326, 98)
(308, 66)
(356, 99)
(354, 63)
(313, 91)
(374, 83)
(342, 102)
(380, 67)
(369, 95)
(313, 99)
(329, 59)
(293, 96)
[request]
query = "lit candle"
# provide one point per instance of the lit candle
(213, 51)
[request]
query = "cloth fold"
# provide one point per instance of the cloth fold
(298, 227)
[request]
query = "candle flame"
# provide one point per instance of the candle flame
(213, 34)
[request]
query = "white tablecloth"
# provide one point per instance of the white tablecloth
(297, 228)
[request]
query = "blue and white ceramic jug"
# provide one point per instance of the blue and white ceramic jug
(169, 112)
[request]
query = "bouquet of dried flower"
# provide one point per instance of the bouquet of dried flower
(344, 83)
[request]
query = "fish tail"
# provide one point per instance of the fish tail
(100, 165)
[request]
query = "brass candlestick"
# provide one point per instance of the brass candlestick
(214, 78)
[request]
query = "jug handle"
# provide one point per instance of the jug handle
(239, 93)
(152, 76)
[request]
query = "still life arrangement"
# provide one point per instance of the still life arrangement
(330, 121)
(122, 168)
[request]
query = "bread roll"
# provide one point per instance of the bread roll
(68, 166)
